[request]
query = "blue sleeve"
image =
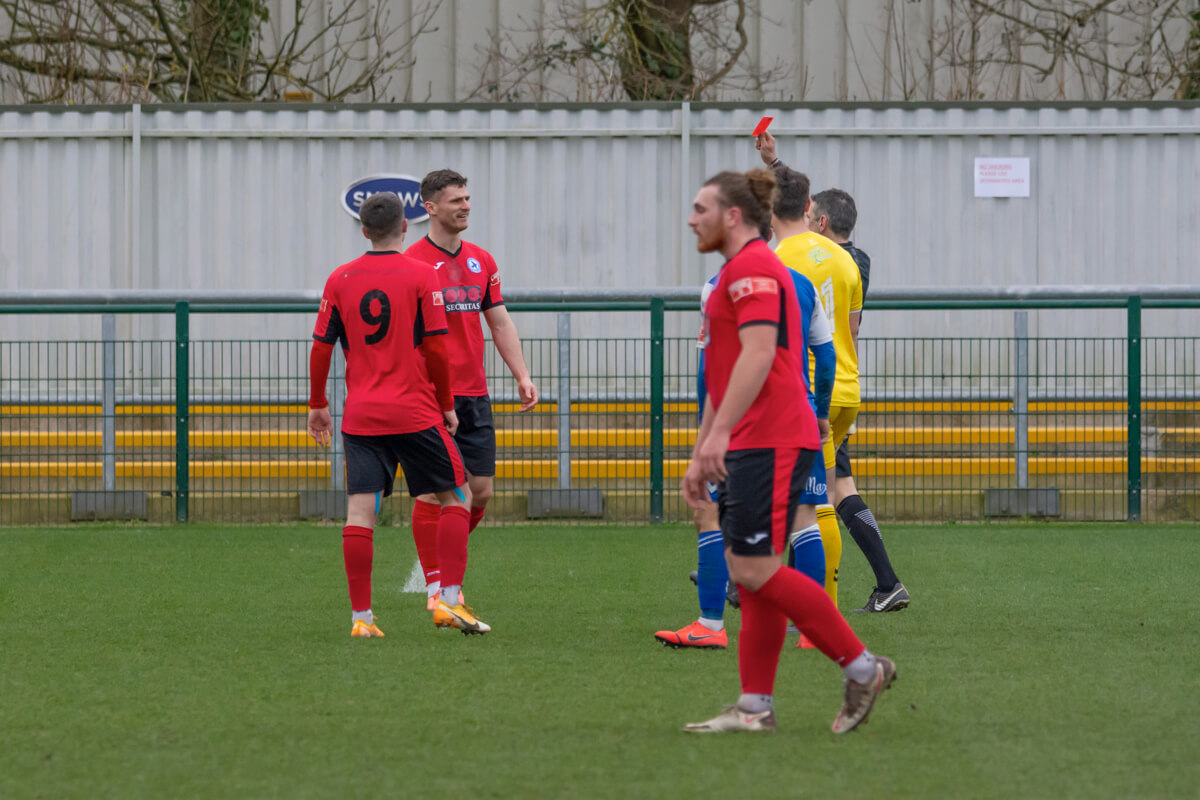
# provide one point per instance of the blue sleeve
(826, 370)
(701, 389)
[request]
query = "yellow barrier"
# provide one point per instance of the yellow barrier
(601, 469)
(880, 407)
(144, 439)
(602, 437)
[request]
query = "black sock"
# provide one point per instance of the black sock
(861, 523)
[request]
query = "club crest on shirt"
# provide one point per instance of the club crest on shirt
(741, 289)
(473, 265)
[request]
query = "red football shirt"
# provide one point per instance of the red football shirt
(754, 287)
(380, 306)
(470, 283)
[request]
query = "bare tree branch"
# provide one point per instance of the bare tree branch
(739, 25)
(625, 49)
(163, 50)
(1113, 49)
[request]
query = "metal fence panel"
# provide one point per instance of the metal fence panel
(978, 426)
(229, 198)
(64, 206)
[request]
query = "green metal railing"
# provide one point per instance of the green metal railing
(614, 430)
(1133, 350)
(182, 409)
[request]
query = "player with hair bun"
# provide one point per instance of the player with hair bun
(805, 551)
(759, 444)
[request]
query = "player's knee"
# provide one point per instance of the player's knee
(706, 518)
(740, 575)
(806, 516)
(481, 491)
(843, 487)
(360, 510)
(751, 572)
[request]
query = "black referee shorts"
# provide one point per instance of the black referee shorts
(841, 461)
(476, 434)
(759, 496)
(429, 458)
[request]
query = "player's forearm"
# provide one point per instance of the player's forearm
(437, 361)
(750, 372)
(319, 359)
(508, 345)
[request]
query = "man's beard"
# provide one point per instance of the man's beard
(712, 243)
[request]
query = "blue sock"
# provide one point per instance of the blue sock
(809, 553)
(712, 575)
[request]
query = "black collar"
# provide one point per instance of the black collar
(743, 247)
(447, 252)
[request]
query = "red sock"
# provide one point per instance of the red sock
(425, 518)
(760, 642)
(358, 551)
(476, 516)
(453, 531)
(805, 602)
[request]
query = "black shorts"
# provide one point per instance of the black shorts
(476, 434)
(429, 458)
(841, 468)
(759, 496)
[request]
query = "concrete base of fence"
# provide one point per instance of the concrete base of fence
(88, 506)
(1020, 503)
(1074, 505)
(35, 509)
(934, 505)
(619, 507)
(565, 503)
(322, 504)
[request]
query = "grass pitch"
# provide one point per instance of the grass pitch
(201, 661)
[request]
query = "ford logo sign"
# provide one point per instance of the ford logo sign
(406, 187)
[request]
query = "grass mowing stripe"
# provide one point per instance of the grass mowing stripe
(204, 661)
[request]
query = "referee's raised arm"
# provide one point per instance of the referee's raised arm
(765, 143)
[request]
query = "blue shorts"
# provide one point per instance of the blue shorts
(816, 492)
(712, 489)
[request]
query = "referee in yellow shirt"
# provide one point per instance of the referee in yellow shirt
(832, 213)
(839, 284)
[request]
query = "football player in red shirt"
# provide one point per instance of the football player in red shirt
(387, 311)
(758, 439)
(470, 283)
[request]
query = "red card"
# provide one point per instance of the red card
(762, 126)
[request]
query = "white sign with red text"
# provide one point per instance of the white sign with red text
(1002, 177)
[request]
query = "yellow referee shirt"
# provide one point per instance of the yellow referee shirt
(839, 285)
